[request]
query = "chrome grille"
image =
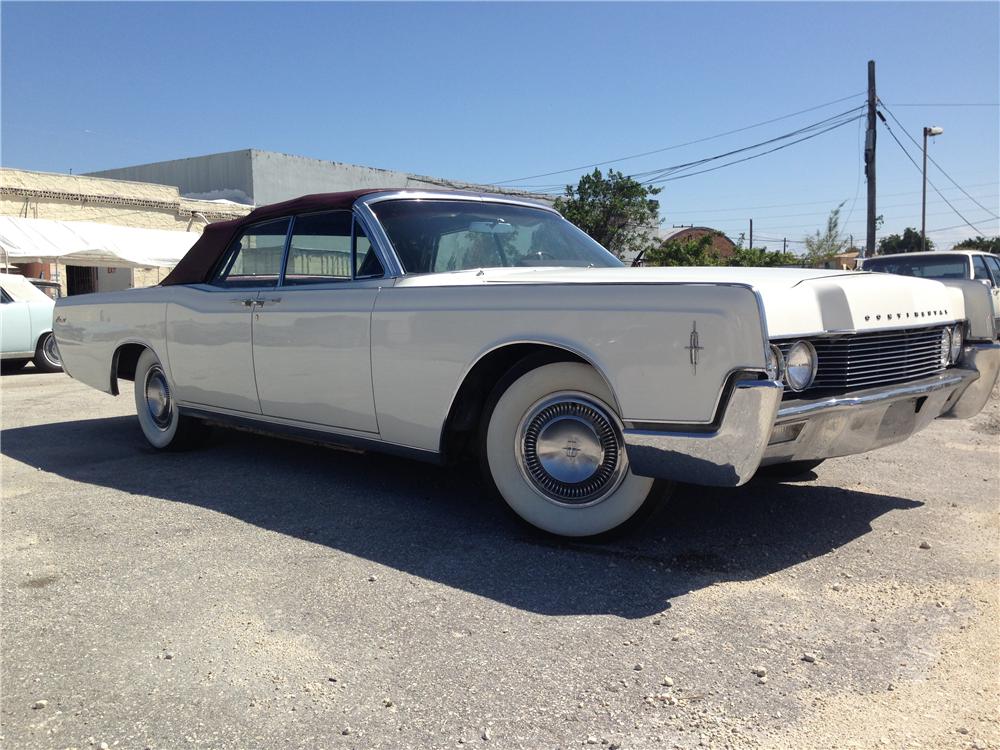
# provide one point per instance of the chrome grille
(865, 360)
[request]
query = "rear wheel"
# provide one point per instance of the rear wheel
(552, 445)
(47, 357)
(161, 421)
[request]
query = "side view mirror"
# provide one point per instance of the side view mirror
(985, 282)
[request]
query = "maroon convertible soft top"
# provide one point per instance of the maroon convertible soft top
(198, 262)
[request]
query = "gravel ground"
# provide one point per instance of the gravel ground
(262, 594)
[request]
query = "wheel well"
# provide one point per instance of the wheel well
(458, 439)
(123, 364)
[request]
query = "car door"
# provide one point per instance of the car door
(993, 264)
(15, 325)
(209, 326)
(312, 335)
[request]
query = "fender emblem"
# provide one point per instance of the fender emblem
(572, 449)
(694, 347)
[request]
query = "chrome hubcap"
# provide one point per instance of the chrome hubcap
(51, 351)
(570, 449)
(158, 398)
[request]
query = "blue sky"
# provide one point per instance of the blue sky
(489, 92)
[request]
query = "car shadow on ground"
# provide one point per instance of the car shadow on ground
(441, 524)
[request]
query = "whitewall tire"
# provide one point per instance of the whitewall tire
(553, 447)
(47, 357)
(159, 417)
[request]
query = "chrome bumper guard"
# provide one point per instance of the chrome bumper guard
(724, 457)
(757, 428)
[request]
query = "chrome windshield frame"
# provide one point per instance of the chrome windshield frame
(394, 267)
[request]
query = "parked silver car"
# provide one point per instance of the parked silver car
(945, 266)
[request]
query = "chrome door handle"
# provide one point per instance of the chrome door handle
(269, 300)
(248, 302)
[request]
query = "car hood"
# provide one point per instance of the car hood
(796, 301)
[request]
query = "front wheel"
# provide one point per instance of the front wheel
(161, 421)
(552, 445)
(47, 357)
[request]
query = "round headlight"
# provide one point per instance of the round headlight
(945, 346)
(800, 366)
(957, 340)
(775, 363)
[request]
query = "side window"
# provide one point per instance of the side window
(994, 266)
(366, 262)
(979, 268)
(254, 258)
(320, 249)
(4, 297)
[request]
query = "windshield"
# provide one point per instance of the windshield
(930, 267)
(438, 236)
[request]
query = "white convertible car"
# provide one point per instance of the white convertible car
(442, 325)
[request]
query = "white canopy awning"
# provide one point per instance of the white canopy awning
(87, 243)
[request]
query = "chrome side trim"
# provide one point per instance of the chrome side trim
(330, 439)
(984, 359)
(726, 457)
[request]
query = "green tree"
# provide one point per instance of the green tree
(824, 245)
(760, 257)
(693, 251)
(616, 210)
(983, 244)
(907, 242)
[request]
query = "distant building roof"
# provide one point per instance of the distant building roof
(256, 177)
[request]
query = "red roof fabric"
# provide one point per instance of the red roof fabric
(198, 262)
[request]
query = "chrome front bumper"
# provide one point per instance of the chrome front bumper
(757, 428)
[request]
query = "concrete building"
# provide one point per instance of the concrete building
(75, 198)
(259, 177)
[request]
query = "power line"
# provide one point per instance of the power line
(754, 156)
(931, 159)
(782, 227)
(695, 212)
(816, 203)
(653, 176)
(668, 174)
(679, 145)
(949, 104)
(857, 187)
(900, 144)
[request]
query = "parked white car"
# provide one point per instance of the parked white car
(26, 326)
(945, 266)
(440, 325)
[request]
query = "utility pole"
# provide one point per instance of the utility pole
(870, 160)
(784, 244)
(751, 234)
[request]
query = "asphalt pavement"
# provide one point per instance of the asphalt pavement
(259, 593)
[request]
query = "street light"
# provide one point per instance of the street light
(934, 130)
